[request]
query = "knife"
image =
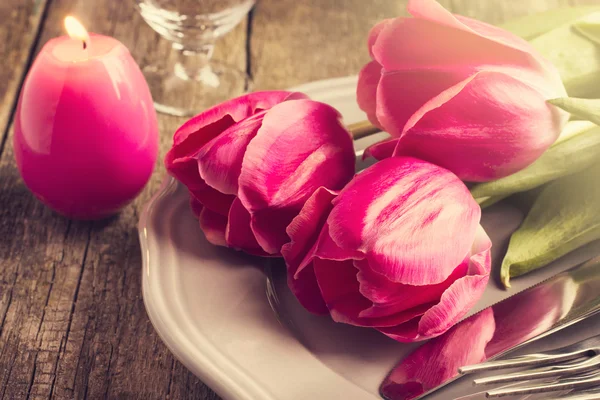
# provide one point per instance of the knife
(532, 314)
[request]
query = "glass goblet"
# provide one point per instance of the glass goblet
(193, 26)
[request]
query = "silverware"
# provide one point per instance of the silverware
(574, 367)
(537, 312)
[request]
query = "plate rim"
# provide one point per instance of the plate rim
(230, 382)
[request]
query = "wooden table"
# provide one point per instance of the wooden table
(72, 319)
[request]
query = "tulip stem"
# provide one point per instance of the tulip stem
(362, 129)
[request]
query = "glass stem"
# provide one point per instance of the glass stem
(194, 64)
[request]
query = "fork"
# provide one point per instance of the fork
(574, 368)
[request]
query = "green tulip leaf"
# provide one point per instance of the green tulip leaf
(576, 57)
(577, 148)
(588, 109)
(564, 217)
(531, 26)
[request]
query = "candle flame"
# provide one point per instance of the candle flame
(76, 30)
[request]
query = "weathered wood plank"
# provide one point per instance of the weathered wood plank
(72, 320)
(302, 41)
(316, 40)
(74, 324)
(21, 21)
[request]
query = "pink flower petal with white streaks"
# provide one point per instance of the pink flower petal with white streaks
(328, 249)
(462, 295)
(438, 360)
(301, 146)
(220, 160)
(391, 298)
(339, 286)
(213, 225)
(414, 220)
(238, 233)
(499, 125)
(236, 109)
(366, 90)
(199, 130)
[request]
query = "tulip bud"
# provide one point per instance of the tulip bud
(252, 162)
(399, 249)
(459, 93)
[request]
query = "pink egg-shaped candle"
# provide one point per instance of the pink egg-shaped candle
(86, 134)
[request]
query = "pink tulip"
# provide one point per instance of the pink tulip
(252, 162)
(399, 249)
(460, 93)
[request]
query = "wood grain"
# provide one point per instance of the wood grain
(20, 22)
(72, 320)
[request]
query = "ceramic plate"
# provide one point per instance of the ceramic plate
(231, 320)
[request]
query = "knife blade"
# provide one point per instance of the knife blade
(549, 306)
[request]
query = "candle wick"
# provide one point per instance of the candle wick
(84, 45)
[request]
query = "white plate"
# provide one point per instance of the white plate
(212, 306)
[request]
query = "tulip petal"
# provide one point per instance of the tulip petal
(483, 128)
(304, 231)
(340, 289)
(210, 198)
(199, 130)
(195, 205)
(238, 233)
(275, 182)
(306, 289)
(431, 10)
(308, 231)
(374, 33)
(438, 360)
(366, 90)
(414, 220)
(328, 249)
(381, 150)
(213, 225)
(220, 160)
(401, 94)
(391, 298)
(305, 228)
(235, 109)
(401, 46)
(269, 225)
(495, 44)
(462, 295)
